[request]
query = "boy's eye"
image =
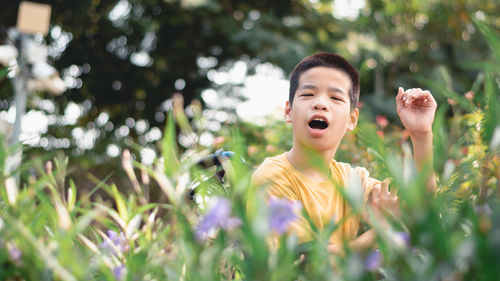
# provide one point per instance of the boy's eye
(307, 95)
(337, 98)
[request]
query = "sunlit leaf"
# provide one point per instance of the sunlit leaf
(71, 195)
(120, 203)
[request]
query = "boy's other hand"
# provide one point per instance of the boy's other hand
(385, 202)
(416, 109)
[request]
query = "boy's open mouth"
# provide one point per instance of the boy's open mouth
(318, 123)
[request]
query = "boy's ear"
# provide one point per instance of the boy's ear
(288, 112)
(353, 119)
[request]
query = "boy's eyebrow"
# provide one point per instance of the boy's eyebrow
(331, 89)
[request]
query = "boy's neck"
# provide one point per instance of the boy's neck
(315, 165)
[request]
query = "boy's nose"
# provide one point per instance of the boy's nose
(319, 105)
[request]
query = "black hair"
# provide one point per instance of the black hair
(326, 60)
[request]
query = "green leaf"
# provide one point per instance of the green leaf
(3, 72)
(368, 135)
(99, 184)
(485, 66)
(492, 114)
(441, 137)
(491, 37)
(3, 152)
(71, 195)
(478, 82)
(120, 203)
(440, 88)
(169, 147)
(240, 174)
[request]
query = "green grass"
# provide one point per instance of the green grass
(52, 230)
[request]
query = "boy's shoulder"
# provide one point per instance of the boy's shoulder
(277, 167)
(357, 175)
(279, 164)
(348, 168)
(274, 163)
(270, 168)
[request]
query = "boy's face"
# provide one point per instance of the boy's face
(321, 110)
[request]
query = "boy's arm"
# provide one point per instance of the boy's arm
(416, 109)
(382, 202)
(362, 242)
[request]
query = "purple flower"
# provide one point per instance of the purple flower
(282, 212)
(483, 209)
(373, 260)
(118, 241)
(403, 238)
(219, 216)
(119, 272)
(15, 254)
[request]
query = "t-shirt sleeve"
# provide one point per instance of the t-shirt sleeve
(361, 184)
(368, 183)
(358, 179)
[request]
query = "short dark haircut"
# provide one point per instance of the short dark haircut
(326, 60)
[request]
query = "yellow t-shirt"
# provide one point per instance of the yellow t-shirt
(322, 201)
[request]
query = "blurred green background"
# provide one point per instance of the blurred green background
(123, 60)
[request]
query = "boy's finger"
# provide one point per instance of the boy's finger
(393, 192)
(375, 195)
(385, 187)
(400, 93)
(399, 98)
(386, 182)
(421, 96)
(417, 93)
(408, 96)
(429, 96)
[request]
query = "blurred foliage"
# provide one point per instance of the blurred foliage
(124, 67)
(52, 229)
(142, 225)
(175, 35)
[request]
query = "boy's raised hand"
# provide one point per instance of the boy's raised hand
(416, 109)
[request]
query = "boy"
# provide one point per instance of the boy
(324, 91)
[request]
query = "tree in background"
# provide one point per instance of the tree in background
(123, 60)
